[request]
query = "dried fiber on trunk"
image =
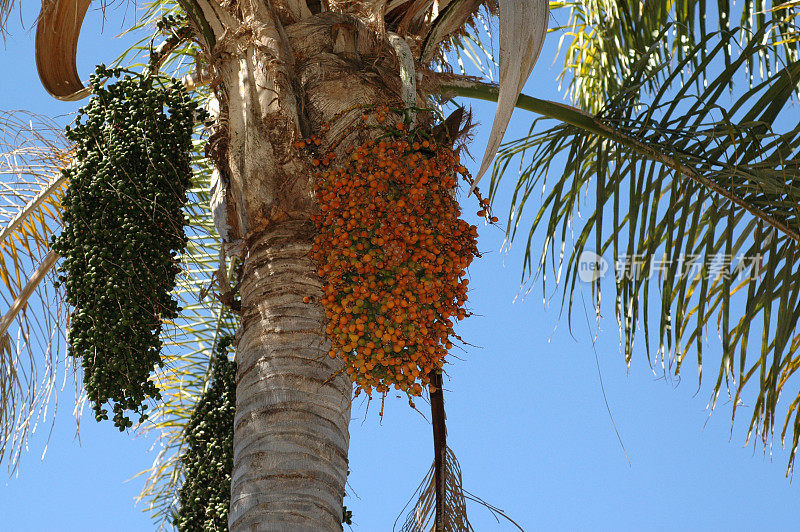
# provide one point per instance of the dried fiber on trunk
(421, 516)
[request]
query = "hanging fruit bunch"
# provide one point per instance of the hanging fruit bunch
(392, 252)
(124, 231)
(207, 461)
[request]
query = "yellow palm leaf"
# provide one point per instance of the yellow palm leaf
(32, 324)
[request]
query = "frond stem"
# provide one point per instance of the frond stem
(47, 264)
(30, 207)
(592, 124)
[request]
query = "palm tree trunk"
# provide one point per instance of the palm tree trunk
(291, 429)
(276, 85)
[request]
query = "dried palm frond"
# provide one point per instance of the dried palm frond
(431, 23)
(57, 45)
(523, 26)
(470, 44)
(420, 517)
(449, 21)
(6, 7)
(32, 153)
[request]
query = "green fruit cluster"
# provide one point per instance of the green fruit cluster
(170, 22)
(208, 459)
(123, 234)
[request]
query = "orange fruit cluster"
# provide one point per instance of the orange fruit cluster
(392, 252)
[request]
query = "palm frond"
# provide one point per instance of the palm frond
(420, 517)
(450, 20)
(57, 33)
(182, 59)
(32, 153)
(6, 7)
(703, 194)
(432, 25)
(522, 30)
(469, 45)
(523, 26)
(604, 37)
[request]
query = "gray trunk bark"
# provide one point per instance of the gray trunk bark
(291, 436)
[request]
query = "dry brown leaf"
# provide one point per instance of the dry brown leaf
(523, 25)
(57, 46)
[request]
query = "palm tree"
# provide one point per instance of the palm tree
(672, 172)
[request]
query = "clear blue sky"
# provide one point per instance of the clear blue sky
(526, 416)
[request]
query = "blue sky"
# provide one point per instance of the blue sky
(526, 416)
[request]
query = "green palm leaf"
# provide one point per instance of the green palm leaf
(683, 185)
(604, 39)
